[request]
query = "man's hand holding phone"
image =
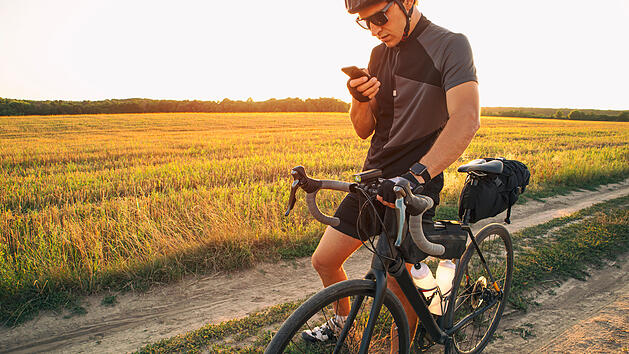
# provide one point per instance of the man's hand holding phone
(361, 85)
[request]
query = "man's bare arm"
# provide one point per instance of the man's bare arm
(464, 110)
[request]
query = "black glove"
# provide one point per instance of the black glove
(385, 190)
(356, 94)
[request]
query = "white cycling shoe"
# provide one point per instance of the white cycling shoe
(327, 331)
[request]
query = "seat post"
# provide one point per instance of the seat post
(467, 213)
(466, 216)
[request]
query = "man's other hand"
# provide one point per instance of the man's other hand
(387, 196)
(367, 87)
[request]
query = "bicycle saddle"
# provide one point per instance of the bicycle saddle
(481, 165)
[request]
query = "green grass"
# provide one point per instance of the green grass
(594, 235)
(223, 336)
(117, 202)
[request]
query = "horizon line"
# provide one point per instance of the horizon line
(275, 98)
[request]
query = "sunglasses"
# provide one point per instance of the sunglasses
(378, 19)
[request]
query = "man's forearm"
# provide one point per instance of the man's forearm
(362, 118)
(451, 143)
(464, 121)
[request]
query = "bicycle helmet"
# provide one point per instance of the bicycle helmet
(354, 6)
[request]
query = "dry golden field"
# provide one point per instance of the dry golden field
(122, 201)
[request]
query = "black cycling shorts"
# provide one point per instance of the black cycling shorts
(348, 210)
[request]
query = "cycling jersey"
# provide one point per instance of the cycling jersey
(411, 103)
(411, 107)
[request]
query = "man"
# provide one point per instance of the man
(422, 106)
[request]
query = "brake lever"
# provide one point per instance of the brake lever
(292, 198)
(299, 174)
(400, 213)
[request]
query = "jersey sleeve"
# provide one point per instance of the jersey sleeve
(458, 64)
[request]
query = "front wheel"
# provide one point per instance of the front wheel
(391, 327)
(472, 289)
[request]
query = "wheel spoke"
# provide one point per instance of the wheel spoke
(391, 315)
(473, 288)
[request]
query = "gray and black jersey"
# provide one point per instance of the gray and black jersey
(411, 103)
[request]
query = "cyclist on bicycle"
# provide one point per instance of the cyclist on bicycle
(421, 105)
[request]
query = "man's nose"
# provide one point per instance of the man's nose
(375, 29)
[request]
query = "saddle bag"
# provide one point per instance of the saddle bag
(490, 195)
(450, 234)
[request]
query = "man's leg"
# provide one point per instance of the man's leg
(333, 250)
(408, 308)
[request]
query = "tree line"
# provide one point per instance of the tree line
(622, 116)
(14, 107)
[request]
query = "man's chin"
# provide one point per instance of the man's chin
(389, 41)
(390, 44)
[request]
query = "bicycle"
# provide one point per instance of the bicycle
(376, 321)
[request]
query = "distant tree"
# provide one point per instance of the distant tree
(558, 114)
(140, 105)
(576, 115)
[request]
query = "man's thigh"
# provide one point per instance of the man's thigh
(334, 248)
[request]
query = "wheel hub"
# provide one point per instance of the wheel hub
(477, 292)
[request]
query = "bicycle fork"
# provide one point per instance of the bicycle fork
(380, 278)
(417, 301)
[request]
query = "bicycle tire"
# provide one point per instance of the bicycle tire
(319, 308)
(470, 290)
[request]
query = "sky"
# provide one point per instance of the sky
(559, 53)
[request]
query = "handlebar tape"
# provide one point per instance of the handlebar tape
(311, 201)
(422, 203)
(335, 185)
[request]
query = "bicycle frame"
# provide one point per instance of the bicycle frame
(387, 260)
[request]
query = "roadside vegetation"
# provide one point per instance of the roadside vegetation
(554, 251)
(119, 202)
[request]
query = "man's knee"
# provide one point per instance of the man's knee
(321, 263)
(325, 261)
(334, 248)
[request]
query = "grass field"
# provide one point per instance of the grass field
(123, 201)
(572, 246)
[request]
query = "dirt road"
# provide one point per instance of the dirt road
(165, 311)
(578, 317)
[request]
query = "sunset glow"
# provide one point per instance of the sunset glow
(558, 54)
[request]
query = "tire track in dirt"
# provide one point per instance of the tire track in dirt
(604, 331)
(164, 311)
(577, 317)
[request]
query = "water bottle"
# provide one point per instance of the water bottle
(445, 276)
(423, 279)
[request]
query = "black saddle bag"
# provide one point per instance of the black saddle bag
(490, 195)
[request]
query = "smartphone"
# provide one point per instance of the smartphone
(354, 73)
